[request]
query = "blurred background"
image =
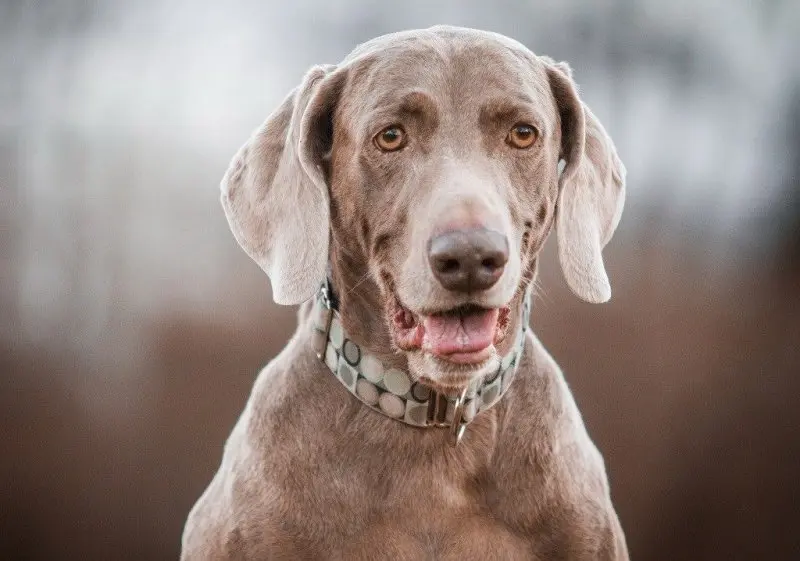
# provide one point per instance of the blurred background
(132, 326)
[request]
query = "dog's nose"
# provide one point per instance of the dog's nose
(468, 260)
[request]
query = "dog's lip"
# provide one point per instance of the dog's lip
(473, 357)
(465, 334)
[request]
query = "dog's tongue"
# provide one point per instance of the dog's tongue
(450, 334)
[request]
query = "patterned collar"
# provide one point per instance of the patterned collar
(392, 392)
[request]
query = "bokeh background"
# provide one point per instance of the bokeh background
(132, 326)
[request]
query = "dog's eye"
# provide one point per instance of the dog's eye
(391, 138)
(521, 136)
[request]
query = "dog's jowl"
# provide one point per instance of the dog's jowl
(403, 197)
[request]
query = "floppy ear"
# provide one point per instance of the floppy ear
(591, 190)
(275, 194)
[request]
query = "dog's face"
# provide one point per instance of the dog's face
(443, 175)
(430, 159)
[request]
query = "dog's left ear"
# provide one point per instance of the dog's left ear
(591, 190)
(275, 193)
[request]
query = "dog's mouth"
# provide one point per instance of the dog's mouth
(463, 335)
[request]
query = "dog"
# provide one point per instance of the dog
(403, 197)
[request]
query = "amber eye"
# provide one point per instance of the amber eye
(521, 136)
(391, 139)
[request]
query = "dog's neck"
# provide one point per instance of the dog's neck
(393, 391)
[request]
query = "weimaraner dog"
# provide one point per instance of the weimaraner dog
(403, 196)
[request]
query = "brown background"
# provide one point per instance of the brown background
(132, 326)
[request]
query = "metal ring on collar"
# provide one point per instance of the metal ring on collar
(458, 424)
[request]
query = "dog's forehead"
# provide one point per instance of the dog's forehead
(443, 61)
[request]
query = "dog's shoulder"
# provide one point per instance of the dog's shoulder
(543, 412)
(245, 506)
(551, 476)
(211, 530)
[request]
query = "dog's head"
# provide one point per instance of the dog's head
(425, 167)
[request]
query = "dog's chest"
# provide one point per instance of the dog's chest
(405, 506)
(453, 537)
(431, 519)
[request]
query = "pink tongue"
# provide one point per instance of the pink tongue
(446, 335)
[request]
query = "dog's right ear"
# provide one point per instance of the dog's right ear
(275, 193)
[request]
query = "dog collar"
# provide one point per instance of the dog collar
(392, 392)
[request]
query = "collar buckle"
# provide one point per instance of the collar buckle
(438, 406)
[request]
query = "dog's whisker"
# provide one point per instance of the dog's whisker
(358, 283)
(540, 291)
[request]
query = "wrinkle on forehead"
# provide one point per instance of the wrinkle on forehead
(399, 82)
(406, 103)
(505, 110)
(457, 67)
